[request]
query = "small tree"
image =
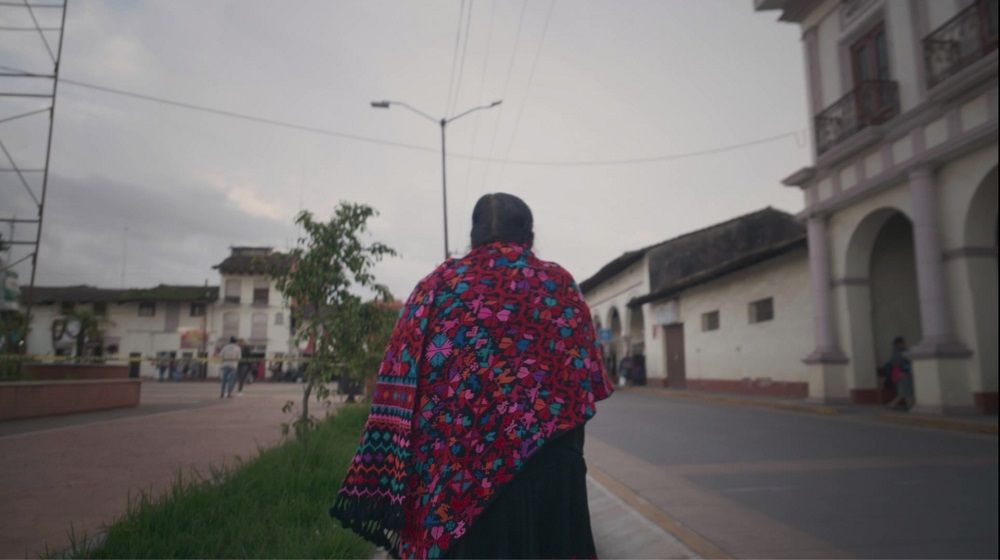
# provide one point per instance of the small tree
(329, 263)
(90, 337)
(365, 332)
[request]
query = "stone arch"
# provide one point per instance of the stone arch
(636, 330)
(980, 240)
(881, 288)
(981, 215)
(862, 239)
(616, 346)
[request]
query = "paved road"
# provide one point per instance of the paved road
(762, 483)
(79, 469)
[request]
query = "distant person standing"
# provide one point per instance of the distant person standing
(638, 370)
(161, 365)
(230, 354)
(900, 371)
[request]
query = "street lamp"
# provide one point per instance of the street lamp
(442, 122)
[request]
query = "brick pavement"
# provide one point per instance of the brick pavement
(78, 470)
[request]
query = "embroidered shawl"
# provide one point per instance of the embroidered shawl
(493, 355)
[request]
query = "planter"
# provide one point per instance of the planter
(53, 372)
(31, 399)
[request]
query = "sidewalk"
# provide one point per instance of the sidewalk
(620, 531)
(970, 423)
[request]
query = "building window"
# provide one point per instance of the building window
(147, 309)
(197, 310)
(67, 307)
(230, 324)
(710, 321)
(258, 326)
(869, 57)
(261, 291)
(279, 318)
(762, 310)
(232, 293)
(101, 309)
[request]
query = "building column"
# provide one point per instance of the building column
(935, 312)
(824, 332)
(940, 375)
(828, 381)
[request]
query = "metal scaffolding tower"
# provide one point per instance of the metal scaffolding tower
(31, 42)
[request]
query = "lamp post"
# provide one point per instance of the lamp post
(442, 122)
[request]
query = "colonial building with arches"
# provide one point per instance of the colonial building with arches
(901, 200)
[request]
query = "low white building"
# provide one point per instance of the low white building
(901, 198)
(143, 326)
(137, 325)
(724, 308)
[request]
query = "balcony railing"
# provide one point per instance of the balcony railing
(870, 103)
(960, 41)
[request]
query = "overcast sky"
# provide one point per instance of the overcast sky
(160, 192)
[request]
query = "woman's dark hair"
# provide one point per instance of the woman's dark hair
(502, 217)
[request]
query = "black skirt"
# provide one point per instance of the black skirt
(542, 513)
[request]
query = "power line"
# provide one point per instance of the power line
(527, 90)
(246, 117)
(454, 58)
(506, 84)
(479, 94)
(461, 64)
(378, 141)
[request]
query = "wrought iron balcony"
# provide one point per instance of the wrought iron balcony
(870, 103)
(960, 41)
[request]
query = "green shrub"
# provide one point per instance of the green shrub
(273, 506)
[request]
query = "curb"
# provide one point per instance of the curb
(952, 424)
(740, 401)
(698, 544)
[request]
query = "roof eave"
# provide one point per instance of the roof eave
(730, 267)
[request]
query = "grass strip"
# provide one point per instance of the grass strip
(272, 506)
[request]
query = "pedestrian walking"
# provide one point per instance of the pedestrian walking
(244, 368)
(474, 447)
(625, 371)
(230, 354)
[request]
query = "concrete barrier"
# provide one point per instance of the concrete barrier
(30, 399)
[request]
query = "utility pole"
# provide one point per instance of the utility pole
(22, 78)
(443, 123)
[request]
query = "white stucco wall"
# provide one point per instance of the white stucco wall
(740, 349)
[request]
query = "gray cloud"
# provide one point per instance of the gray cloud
(613, 80)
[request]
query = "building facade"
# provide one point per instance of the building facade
(185, 324)
(901, 200)
(725, 308)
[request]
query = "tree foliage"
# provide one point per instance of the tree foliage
(331, 262)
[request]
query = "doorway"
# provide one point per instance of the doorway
(673, 336)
